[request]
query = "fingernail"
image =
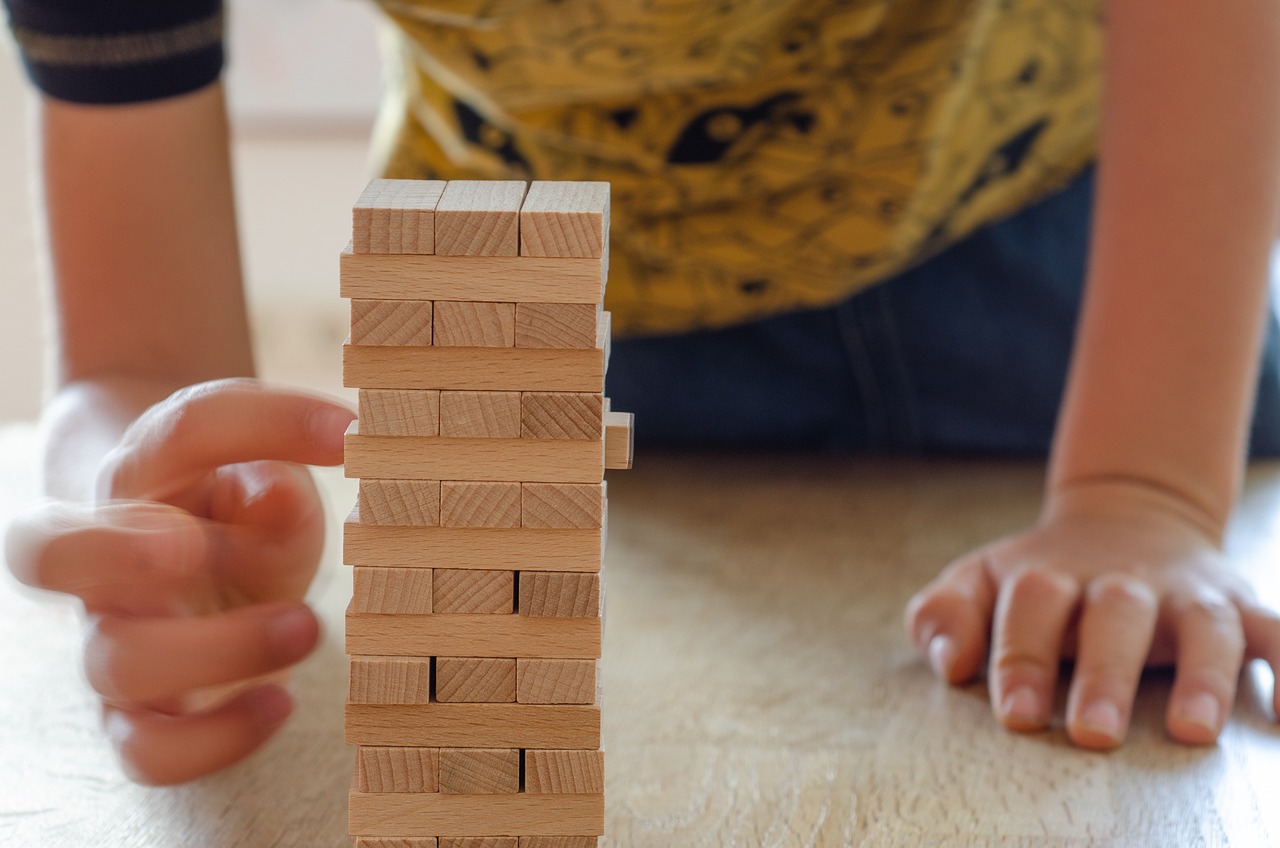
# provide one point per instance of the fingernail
(1201, 709)
(942, 654)
(1103, 717)
(327, 426)
(1022, 706)
(293, 632)
(270, 706)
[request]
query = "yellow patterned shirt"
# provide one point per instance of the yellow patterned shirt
(765, 155)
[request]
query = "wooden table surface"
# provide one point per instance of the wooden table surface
(758, 689)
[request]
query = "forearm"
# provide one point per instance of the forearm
(1165, 366)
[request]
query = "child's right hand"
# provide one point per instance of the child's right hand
(192, 567)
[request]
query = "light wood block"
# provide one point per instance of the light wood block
(559, 595)
(475, 815)
(564, 772)
(479, 842)
(564, 218)
(558, 325)
(474, 726)
(396, 217)
(480, 218)
(480, 415)
(495, 460)
(392, 591)
(459, 635)
(494, 369)
(498, 279)
(386, 769)
(391, 322)
(469, 591)
(479, 771)
(464, 323)
(619, 445)
(562, 415)
(486, 548)
(399, 412)
(560, 842)
(555, 681)
(401, 503)
(395, 842)
(475, 680)
(470, 504)
(562, 505)
(390, 680)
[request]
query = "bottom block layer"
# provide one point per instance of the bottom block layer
(430, 814)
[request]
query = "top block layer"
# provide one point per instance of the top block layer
(396, 216)
(569, 219)
(479, 218)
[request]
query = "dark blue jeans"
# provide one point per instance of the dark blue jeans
(965, 353)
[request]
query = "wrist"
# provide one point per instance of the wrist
(1132, 499)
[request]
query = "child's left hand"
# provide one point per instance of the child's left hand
(1119, 577)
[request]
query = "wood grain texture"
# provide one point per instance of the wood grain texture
(397, 769)
(455, 634)
(561, 772)
(473, 726)
(559, 594)
(475, 680)
(499, 279)
(395, 842)
(463, 323)
(419, 457)
(430, 547)
(561, 415)
(390, 680)
(480, 415)
(560, 842)
(471, 504)
(562, 505)
(565, 218)
(400, 503)
(619, 447)
(479, 771)
(391, 322)
(473, 592)
(391, 591)
(558, 325)
(555, 681)
(479, 842)
(396, 217)
(494, 369)
(479, 218)
(399, 412)
(475, 815)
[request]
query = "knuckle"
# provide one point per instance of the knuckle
(1121, 590)
(1211, 611)
(1037, 585)
(107, 662)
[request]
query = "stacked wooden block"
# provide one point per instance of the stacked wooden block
(479, 346)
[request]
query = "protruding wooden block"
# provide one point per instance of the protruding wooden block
(475, 815)
(558, 325)
(401, 503)
(461, 635)
(564, 772)
(472, 591)
(467, 323)
(479, 771)
(479, 842)
(560, 842)
(462, 547)
(390, 680)
(489, 460)
(391, 322)
(559, 594)
(470, 504)
(383, 769)
(562, 505)
(475, 680)
(399, 412)
(396, 216)
(392, 591)
(498, 279)
(618, 440)
(394, 842)
(490, 369)
(479, 218)
(561, 415)
(475, 726)
(555, 681)
(483, 415)
(564, 218)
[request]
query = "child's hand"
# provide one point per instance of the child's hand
(1118, 576)
(192, 568)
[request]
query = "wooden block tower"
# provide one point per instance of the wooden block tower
(479, 346)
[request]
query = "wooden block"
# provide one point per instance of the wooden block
(559, 595)
(459, 635)
(390, 680)
(474, 815)
(564, 218)
(401, 503)
(618, 442)
(391, 322)
(386, 769)
(564, 772)
(394, 842)
(396, 216)
(470, 504)
(475, 680)
(397, 412)
(479, 771)
(558, 325)
(480, 415)
(472, 591)
(495, 460)
(494, 369)
(474, 726)
(480, 218)
(555, 681)
(562, 505)
(464, 323)
(479, 842)
(498, 279)
(560, 842)
(392, 591)
(561, 415)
